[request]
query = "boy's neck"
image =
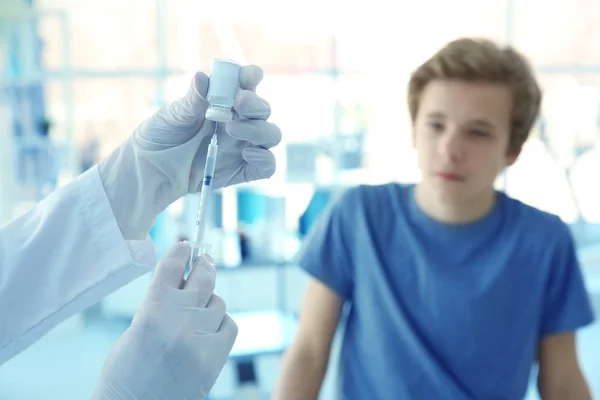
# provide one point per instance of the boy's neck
(452, 212)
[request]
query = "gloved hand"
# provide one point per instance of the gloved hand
(164, 157)
(179, 339)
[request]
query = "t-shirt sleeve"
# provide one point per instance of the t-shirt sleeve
(326, 253)
(567, 305)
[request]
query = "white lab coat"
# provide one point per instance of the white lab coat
(61, 257)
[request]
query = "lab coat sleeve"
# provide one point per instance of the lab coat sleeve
(59, 258)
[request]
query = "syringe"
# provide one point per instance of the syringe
(204, 203)
(224, 84)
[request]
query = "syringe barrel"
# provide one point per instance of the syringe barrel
(209, 168)
(195, 254)
(201, 217)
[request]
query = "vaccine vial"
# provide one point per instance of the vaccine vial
(223, 84)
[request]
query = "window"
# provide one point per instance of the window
(558, 32)
(113, 35)
(561, 157)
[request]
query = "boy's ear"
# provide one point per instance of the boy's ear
(512, 155)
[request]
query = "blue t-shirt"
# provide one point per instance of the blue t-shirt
(440, 311)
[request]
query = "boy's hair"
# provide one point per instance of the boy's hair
(481, 60)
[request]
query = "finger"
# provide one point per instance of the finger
(200, 83)
(171, 268)
(192, 107)
(202, 279)
(250, 76)
(260, 163)
(257, 132)
(221, 346)
(228, 332)
(229, 328)
(209, 319)
(249, 105)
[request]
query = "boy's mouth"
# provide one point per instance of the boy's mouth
(451, 177)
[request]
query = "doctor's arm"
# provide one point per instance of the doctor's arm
(60, 257)
(90, 237)
(560, 376)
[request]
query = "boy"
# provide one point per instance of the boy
(455, 289)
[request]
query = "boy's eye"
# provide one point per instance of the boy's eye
(479, 133)
(436, 126)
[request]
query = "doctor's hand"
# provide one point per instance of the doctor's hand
(179, 339)
(164, 158)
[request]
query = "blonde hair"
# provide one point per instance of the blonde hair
(481, 60)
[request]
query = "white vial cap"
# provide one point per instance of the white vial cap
(219, 114)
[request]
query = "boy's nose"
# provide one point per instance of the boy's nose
(452, 146)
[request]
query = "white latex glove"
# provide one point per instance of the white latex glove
(179, 339)
(164, 158)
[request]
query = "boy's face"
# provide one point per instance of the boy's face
(461, 134)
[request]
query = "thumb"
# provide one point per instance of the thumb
(202, 279)
(192, 107)
(178, 122)
(171, 269)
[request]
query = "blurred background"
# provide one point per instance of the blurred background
(77, 77)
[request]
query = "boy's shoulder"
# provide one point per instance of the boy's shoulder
(374, 198)
(378, 192)
(534, 221)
